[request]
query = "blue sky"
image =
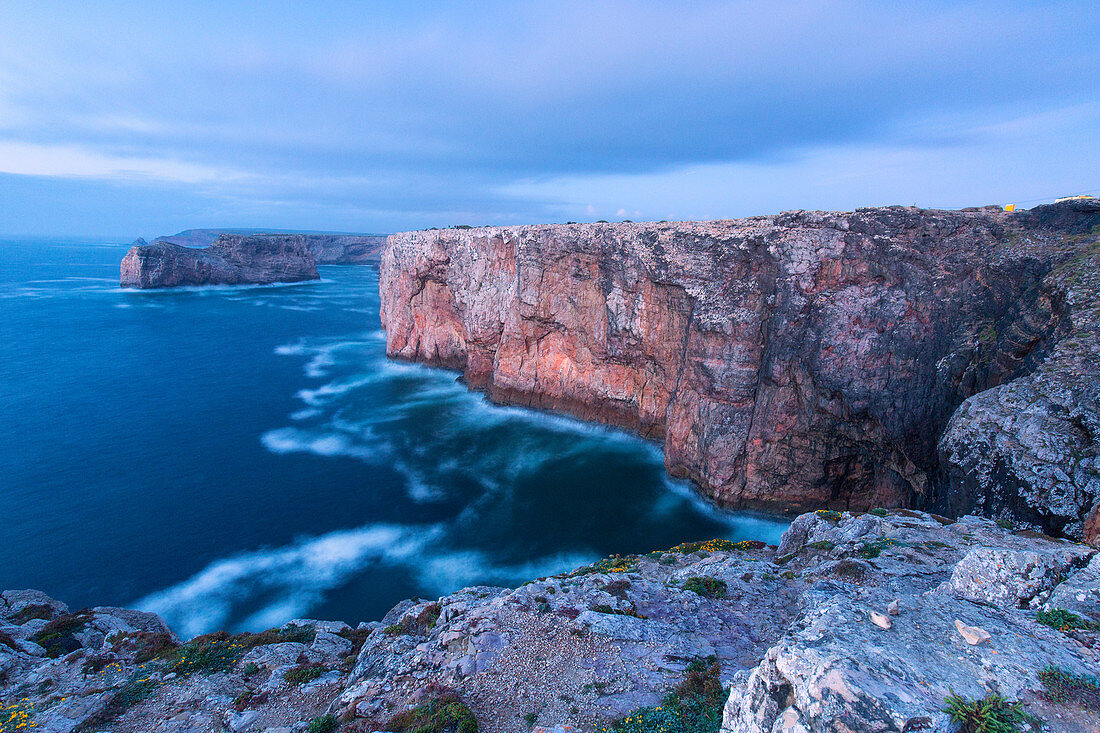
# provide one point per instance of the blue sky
(122, 119)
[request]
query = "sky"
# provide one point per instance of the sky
(124, 119)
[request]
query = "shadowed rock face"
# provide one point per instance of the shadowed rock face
(232, 260)
(801, 360)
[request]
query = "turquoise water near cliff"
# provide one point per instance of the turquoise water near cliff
(237, 457)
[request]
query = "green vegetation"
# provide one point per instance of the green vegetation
(146, 645)
(693, 706)
(992, 714)
(139, 687)
(322, 724)
(1064, 687)
(220, 651)
(35, 610)
(686, 548)
(1005, 524)
(444, 713)
(829, 514)
(304, 673)
(1064, 621)
(822, 545)
(16, 717)
(706, 586)
(531, 718)
(879, 512)
(873, 549)
(58, 636)
(418, 625)
(604, 608)
(613, 564)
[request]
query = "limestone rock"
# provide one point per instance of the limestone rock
(1009, 577)
(973, 634)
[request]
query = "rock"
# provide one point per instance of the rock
(1080, 592)
(973, 634)
(806, 359)
(16, 602)
(1000, 576)
(894, 608)
(241, 721)
(341, 249)
(232, 260)
(880, 620)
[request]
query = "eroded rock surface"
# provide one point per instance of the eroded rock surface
(232, 260)
(806, 359)
(792, 631)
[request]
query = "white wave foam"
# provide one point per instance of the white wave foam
(296, 577)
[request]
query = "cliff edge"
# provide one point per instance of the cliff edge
(232, 260)
(800, 360)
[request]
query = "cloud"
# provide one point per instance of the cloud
(393, 115)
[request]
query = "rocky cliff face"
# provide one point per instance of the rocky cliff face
(851, 624)
(327, 249)
(798, 360)
(346, 249)
(233, 259)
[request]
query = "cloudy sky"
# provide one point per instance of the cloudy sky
(121, 119)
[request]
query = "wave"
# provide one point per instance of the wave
(294, 579)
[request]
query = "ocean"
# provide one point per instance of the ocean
(235, 457)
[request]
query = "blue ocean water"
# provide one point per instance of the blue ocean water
(236, 457)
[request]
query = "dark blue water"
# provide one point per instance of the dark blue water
(236, 457)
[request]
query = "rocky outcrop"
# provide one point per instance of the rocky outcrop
(232, 260)
(327, 249)
(1029, 448)
(801, 360)
(854, 624)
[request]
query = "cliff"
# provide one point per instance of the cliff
(805, 359)
(327, 249)
(233, 259)
(856, 623)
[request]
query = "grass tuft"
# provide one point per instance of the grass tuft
(693, 706)
(1064, 687)
(991, 714)
(443, 713)
(706, 586)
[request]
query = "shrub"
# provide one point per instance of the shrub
(146, 645)
(444, 713)
(1066, 687)
(613, 564)
(693, 706)
(322, 724)
(706, 586)
(873, 549)
(880, 512)
(1058, 618)
(531, 718)
(604, 608)
(304, 673)
(139, 687)
(992, 714)
(822, 545)
(58, 636)
(829, 514)
(418, 625)
(686, 548)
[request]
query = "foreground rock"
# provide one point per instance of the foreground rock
(806, 359)
(797, 634)
(232, 260)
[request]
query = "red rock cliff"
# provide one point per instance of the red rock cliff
(797, 360)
